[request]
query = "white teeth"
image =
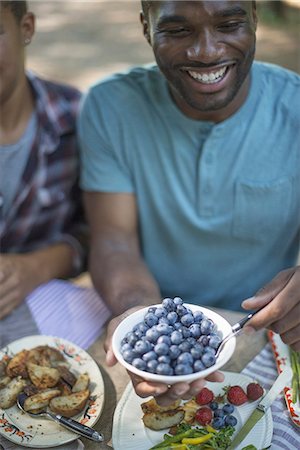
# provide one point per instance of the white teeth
(208, 78)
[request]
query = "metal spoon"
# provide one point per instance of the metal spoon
(66, 422)
(235, 329)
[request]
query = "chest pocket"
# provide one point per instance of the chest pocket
(263, 209)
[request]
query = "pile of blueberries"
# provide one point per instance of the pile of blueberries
(222, 417)
(172, 340)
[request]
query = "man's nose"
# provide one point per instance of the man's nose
(204, 47)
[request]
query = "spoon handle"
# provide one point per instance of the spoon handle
(77, 427)
(240, 324)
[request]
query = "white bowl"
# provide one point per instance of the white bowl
(128, 323)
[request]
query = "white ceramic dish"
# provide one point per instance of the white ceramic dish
(282, 357)
(22, 429)
(128, 323)
(129, 432)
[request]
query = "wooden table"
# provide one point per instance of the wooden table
(116, 378)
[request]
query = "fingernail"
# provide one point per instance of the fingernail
(180, 390)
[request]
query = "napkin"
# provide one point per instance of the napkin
(75, 445)
(263, 369)
(62, 309)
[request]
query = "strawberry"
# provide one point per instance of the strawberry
(204, 415)
(205, 396)
(254, 391)
(236, 395)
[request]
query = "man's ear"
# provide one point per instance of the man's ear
(145, 25)
(27, 26)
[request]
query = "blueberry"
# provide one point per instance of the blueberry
(168, 304)
(166, 359)
(214, 341)
(187, 320)
(172, 317)
(210, 350)
(213, 406)
(152, 334)
(149, 356)
(208, 359)
(161, 349)
(151, 365)
(185, 358)
(142, 347)
(198, 366)
(150, 319)
(178, 301)
(125, 347)
(163, 328)
(186, 332)
(164, 369)
(165, 339)
(195, 330)
(174, 352)
(129, 355)
(131, 338)
(152, 309)
(219, 412)
(185, 346)
(228, 408)
(183, 369)
(207, 326)
(138, 363)
(177, 326)
(198, 316)
(203, 340)
(176, 337)
(161, 312)
(181, 310)
(230, 420)
(218, 423)
(196, 352)
(163, 320)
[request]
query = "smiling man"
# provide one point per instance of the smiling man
(191, 170)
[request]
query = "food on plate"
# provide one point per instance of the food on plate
(9, 394)
(42, 377)
(42, 373)
(69, 405)
(207, 419)
(254, 391)
(236, 395)
(40, 400)
(161, 417)
(295, 363)
(172, 340)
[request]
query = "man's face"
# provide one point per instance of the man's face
(205, 50)
(12, 36)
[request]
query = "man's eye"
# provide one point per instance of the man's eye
(174, 31)
(230, 26)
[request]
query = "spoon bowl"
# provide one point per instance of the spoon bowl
(66, 422)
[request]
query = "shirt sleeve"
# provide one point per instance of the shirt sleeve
(102, 166)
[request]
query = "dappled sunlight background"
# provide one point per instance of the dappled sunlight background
(81, 41)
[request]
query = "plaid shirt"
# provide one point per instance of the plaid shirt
(46, 208)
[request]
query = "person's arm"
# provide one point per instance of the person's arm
(280, 303)
(117, 269)
(20, 274)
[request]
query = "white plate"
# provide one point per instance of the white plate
(282, 357)
(20, 428)
(129, 432)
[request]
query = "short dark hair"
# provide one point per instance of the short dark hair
(18, 8)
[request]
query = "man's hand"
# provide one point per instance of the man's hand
(18, 278)
(164, 394)
(280, 300)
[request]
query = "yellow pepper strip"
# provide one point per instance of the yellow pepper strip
(197, 440)
(211, 429)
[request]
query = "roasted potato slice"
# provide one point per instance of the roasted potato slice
(151, 406)
(42, 377)
(4, 381)
(17, 365)
(66, 375)
(40, 400)
(3, 365)
(190, 409)
(69, 405)
(43, 355)
(163, 420)
(9, 394)
(82, 383)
